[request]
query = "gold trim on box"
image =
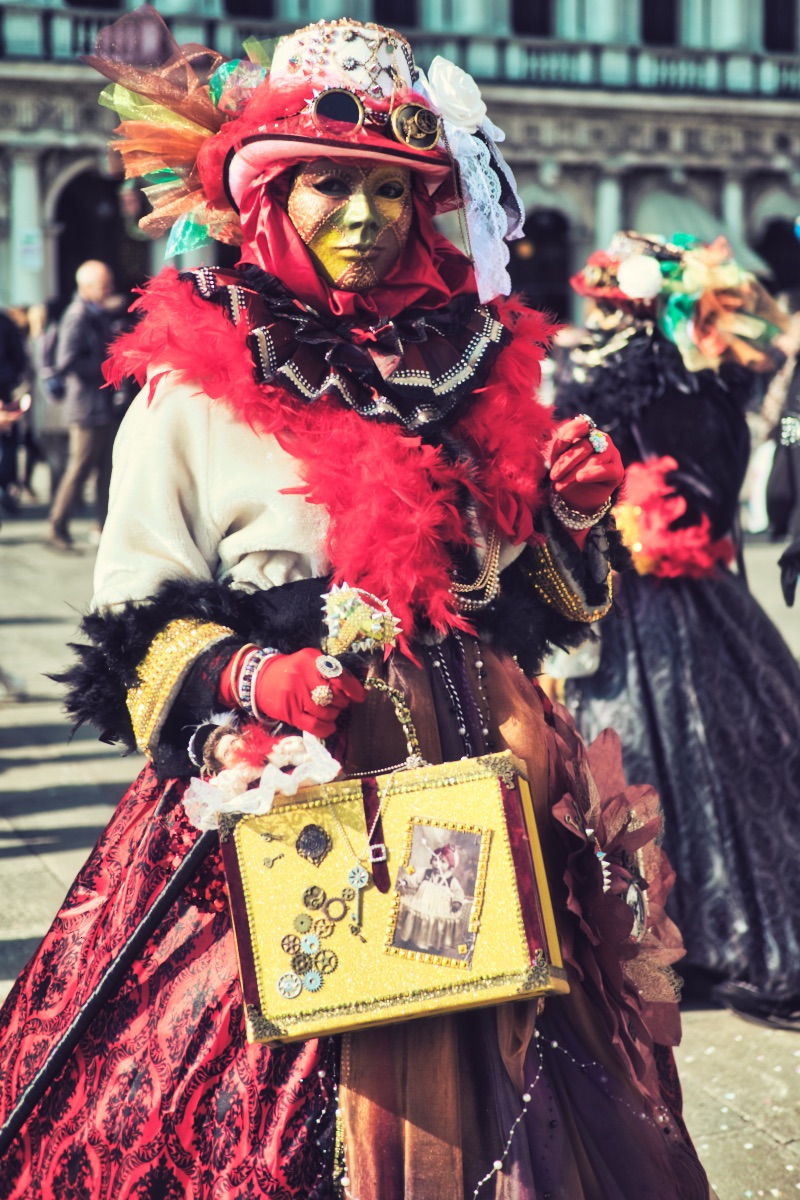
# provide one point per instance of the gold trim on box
(441, 960)
(161, 672)
(496, 979)
(503, 765)
(540, 975)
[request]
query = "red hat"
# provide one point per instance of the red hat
(336, 89)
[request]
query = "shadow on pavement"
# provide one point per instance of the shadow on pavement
(56, 799)
(11, 763)
(36, 621)
(47, 841)
(14, 954)
(49, 734)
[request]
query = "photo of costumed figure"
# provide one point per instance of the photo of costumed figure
(437, 890)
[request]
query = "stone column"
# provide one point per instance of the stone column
(26, 237)
(733, 213)
(607, 207)
(731, 24)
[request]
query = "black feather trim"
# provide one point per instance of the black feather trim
(287, 617)
(615, 374)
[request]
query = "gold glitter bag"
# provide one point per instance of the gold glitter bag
(389, 897)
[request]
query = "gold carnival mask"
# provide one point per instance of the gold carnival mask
(353, 217)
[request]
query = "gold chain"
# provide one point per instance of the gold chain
(359, 859)
(489, 569)
(488, 580)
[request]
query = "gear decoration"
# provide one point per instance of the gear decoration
(326, 961)
(312, 981)
(290, 985)
(311, 962)
(314, 897)
(332, 909)
(302, 962)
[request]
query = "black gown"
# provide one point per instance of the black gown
(702, 689)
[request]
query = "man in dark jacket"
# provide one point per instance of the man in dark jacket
(84, 334)
(12, 368)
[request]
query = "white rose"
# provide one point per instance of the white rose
(639, 277)
(455, 94)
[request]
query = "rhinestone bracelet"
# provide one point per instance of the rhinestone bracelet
(245, 686)
(573, 518)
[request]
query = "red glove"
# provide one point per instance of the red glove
(582, 478)
(284, 684)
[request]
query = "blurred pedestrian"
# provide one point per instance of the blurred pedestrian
(48, 414)
(12, 369)
(84, 334)
(695, 678)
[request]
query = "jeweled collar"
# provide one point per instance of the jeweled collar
(415, 371)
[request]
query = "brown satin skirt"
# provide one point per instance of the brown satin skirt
(417, 1120)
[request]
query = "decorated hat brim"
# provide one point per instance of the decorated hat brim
(245, 162)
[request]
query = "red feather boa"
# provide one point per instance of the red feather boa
(645, 517)
(392, 500)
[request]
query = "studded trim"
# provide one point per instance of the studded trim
(394, 379)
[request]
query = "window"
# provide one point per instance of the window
(256, 9)
(540, 262)
(395, 12)
(532, 18)
(659, 22)
(780, 25)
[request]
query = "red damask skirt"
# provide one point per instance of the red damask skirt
(163, 1099)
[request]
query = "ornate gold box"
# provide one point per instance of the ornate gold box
(391, 897)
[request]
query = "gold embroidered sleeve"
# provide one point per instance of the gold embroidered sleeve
(162, 671)
(551, 581)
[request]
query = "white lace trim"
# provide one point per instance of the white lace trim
(486, 219)
(231, 790)
(488, 222)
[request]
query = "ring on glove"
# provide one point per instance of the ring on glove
(585, 417)
(328, 666)
(322, 695)
(598, 441)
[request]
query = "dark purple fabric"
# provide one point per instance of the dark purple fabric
(577, 1104)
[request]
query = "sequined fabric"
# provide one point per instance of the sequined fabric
(163, 1100)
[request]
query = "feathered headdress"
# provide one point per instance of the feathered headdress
(200, 129)
(695, 292)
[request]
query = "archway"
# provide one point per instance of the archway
(777, 244)
(91, 224)
(540, 262)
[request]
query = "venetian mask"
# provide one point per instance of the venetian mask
(353, 217)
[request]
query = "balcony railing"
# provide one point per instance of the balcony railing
(61, 35)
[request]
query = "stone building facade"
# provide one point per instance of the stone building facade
(655, 114)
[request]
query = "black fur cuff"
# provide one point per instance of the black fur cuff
(287, 617)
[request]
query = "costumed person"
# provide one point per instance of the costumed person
(352, 407)
(697, 681)
(430, 913)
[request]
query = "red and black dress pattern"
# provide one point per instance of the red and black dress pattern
(163, 1098)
